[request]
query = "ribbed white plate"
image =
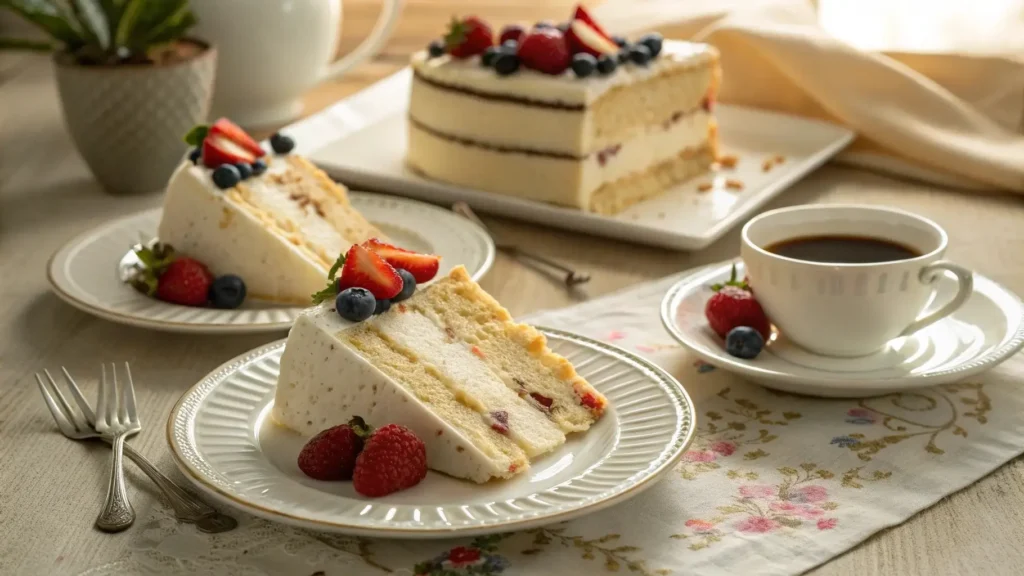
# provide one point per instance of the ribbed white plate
(224, 441)
(362, 141)
(84, 272)
(987, 330)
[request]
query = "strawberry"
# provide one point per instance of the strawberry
(365, 269)
(225, 128)
(468, 37)
(581, 37)
(582, 14)
(331, 454)
(392, 459)
(218, 150)
(185, 281)
(423, 267)
(734, 305)
(544, 50)
(511, 32)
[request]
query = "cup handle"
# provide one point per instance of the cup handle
(931, 273)
(373, 44)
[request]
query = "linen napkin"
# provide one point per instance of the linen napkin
(951, 114)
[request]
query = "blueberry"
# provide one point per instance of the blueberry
(623, 55)
(653, 42)
(382, 306)
(607, 64)
(583, 65)
(435, 48)
(506, 64)
(281, 144)
(244, 170)
(744, 342)
(620, 41)
(487, 58)
(258, 167)
(544, 24)
(408, 285)
(563, 27)
(640, 54)
(226, 176)
(510, 46)
(194, 155)
(227, 292)
(355, 304)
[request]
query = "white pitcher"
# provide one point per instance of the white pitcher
(270, 52)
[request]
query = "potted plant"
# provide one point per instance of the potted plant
(130, 82)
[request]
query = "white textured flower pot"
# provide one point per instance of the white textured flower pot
(128, 121)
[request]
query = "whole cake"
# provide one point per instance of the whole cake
(484, 394)
(276, 220)
(567, 115)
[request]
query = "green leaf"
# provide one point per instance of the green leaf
(196, 135)
(336, 266)
(129, 19)
(93, 21)
(25, 44)
(169, 23)
(331, 290)
(45, 15)
(787, 521)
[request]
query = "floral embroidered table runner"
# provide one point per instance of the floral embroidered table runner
(773, 484)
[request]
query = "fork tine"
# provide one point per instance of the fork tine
(69, 413)
(76, 393)
(128, 391)
(66, 427)
(102, 403)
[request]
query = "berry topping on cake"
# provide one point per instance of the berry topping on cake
(583, 65)
(393, 459)
(423, 267)
(544, 50)
(281, 144)
(586, 35)
(195, 155)
(258, 167)
(511, 32)
(365, 269)
(583, 15)
(224, 128)
(653, 42)
(435, 49)
(468, 37)
(639, 54)
(382, 307)
(734, 305)
(499, 421)
(332, 454)
(607, 64)
(744, 342)
(408, 285)
(620, 41)
(623, 55)
(218, 151)
(244, 170)
(355, 304)
(227, 292)
(543, 24)
(185, 281)
(489, 56)
(506, 64)
(226, 176)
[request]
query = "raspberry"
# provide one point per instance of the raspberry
(393, 459)
(331, 454)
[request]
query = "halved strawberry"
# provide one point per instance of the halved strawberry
(584, 37)
(423, 267)
(228, 129)
(219, 150)
(364, 269)
(582, 14)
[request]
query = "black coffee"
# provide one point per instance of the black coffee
(842, 249)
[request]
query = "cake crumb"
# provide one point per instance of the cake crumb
(779, 159)
(733, 184)
(767, 165)
(704, 186)
(728, 161)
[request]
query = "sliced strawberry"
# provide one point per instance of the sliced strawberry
(583, 37)
(228, 129)
(582, 14)
(423, 267)
(364, 269)
(219, 150)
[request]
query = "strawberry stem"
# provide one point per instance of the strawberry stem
(456, 35)
(731, 282)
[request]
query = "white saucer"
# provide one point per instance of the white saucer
(85, 271)
(987, 330)
(223, 441)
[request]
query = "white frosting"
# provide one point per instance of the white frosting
(207, 223)
(566, 87)
(323, 383)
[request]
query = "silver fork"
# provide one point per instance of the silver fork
(80, 425)
(118, 419)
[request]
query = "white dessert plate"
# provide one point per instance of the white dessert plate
(85, 271)
(224, 441)
(367, 144)
(987, 330)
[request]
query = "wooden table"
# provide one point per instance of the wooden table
(47, 196)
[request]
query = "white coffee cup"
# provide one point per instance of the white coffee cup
(839, 309)
(270, 52)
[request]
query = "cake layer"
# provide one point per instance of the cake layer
(280, 231)
(617, 195)
(555, 178)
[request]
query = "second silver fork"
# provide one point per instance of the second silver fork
(117, 418)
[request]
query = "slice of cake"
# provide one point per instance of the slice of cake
(484, 393)
(277, 222)
(569, 118)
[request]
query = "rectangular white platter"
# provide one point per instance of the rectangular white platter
(361, 141)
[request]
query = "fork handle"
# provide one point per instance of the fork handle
(117, 513)
(187, 507)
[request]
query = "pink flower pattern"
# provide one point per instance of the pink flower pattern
(723, 448)
(615, 335)
(758, 491)
(827, 523)
(699, 456)
(757, 524)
